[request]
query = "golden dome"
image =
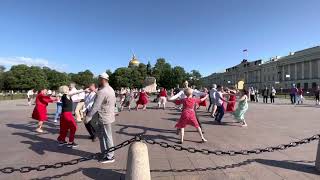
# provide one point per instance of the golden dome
(134, 61)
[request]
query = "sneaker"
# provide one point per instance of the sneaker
(72, 145)
(55, 121)
(62, 143)
(39, 130)
(244, 125)
(204, 140)
(107, 160)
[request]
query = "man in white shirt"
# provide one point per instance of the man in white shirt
(78, 111)
(181, 94)
(74, 98)
(219, 103)
(88, 103)
(30, 94)
(212, 95)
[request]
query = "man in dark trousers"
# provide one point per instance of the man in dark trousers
(265, 94)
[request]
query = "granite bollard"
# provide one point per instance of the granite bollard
(138, 167)
(318, 157)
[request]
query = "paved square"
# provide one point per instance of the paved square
(268, 125)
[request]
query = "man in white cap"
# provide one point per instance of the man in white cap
(103, 106)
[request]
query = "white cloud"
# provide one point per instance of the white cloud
(10, 61)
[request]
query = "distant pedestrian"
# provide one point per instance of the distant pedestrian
(272, 94)
(256, 94)
(265, 94)
(40, 110)
(30, 95)
(188, 115)
(317, 94)
(252, 94)
(242, 109)
(293, 94)
(162, 98)
(300, 96)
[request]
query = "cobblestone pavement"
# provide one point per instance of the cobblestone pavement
(268, 125)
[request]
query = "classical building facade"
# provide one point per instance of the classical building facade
(301, 68)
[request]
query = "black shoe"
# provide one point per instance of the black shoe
(72, 145)
(107, 160)
(93, 139)
(62, 143)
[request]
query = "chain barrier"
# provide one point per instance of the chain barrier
(26, 169)
(232, 152)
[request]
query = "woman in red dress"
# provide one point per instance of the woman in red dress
(40, 110)
(203, 103)
(231, 106)
(162, 98)
(143, 100)
(188, 115)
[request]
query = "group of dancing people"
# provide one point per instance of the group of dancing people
(128, 97)
(97, 109)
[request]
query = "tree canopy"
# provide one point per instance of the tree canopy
(23, 77)
(166, 75)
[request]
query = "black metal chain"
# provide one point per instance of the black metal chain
(233, 152)
(26, 169)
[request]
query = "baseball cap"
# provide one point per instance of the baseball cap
(104, 76)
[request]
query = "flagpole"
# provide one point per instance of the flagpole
(245, 51)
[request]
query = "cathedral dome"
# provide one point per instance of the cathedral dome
(134, 61)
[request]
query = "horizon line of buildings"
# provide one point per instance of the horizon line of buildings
(301, 68)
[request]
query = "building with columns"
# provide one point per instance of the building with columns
(301, 68)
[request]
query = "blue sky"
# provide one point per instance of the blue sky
(207, 35)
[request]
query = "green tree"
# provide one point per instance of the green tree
(178, 76)
(55, 78)
(149, 69)
(162, 72)
(195, 78)
(22, 77)
(2, 74)
(121, 78)
(82, 78)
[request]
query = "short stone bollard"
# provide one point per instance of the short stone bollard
(138, 167)
(318, 157)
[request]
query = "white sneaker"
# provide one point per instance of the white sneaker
(107, 160)
(39, 130)
(55, 121)
(244, 124)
